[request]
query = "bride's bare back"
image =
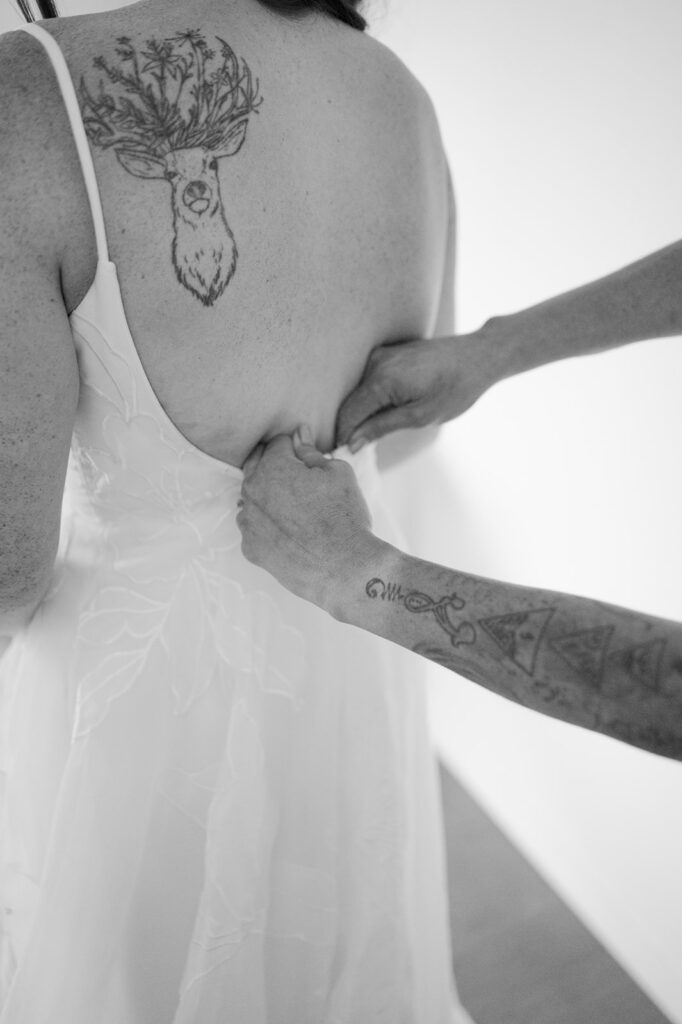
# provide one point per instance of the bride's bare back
(275, 201)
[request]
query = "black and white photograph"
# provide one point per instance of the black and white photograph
(340, 504)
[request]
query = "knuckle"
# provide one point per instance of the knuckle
(419, 415)
(378, 386)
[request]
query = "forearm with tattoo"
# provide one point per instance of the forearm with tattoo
(605, 668)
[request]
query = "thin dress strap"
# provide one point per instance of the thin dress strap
(63, 74)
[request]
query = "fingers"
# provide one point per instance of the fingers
(367, 399)
(387, 383)
(305, 449)
(249, 524)
(299, 445)
(279, 446)
(406, 417)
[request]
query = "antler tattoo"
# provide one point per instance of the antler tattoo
(155, 135)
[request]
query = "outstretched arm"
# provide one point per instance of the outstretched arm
(416, 383)
(608, 669)
(638, 302)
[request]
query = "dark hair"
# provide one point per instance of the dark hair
(344, 10)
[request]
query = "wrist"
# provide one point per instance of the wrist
(573, 324)
(508, 347)
(485, 356)
(367, 557)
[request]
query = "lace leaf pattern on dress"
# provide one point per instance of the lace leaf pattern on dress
(270, 735)
(125, 633)
(176, 582)
(167, 517)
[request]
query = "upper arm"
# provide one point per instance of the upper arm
(38, 367)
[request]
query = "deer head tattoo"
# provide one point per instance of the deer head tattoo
(181, 142)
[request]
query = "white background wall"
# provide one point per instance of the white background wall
(562, 122)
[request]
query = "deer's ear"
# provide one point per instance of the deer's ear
(232, 142)
(141, 164)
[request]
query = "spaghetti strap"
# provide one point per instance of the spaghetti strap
(78, 129)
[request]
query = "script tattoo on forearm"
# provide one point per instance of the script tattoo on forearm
(459, 632)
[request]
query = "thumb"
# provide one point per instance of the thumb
(364, 401)
(311, 456)
(403, 418)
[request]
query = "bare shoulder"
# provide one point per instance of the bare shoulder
(27, 108)
(404, 93)
(22, 68)
(33, 135)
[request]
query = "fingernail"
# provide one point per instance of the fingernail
(356, 443)
(306, 434)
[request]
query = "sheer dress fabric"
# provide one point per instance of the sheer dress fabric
(217, 804)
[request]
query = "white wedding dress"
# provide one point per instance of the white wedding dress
(217, 804)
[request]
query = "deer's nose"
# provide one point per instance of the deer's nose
(197, 196)
(196, 189)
